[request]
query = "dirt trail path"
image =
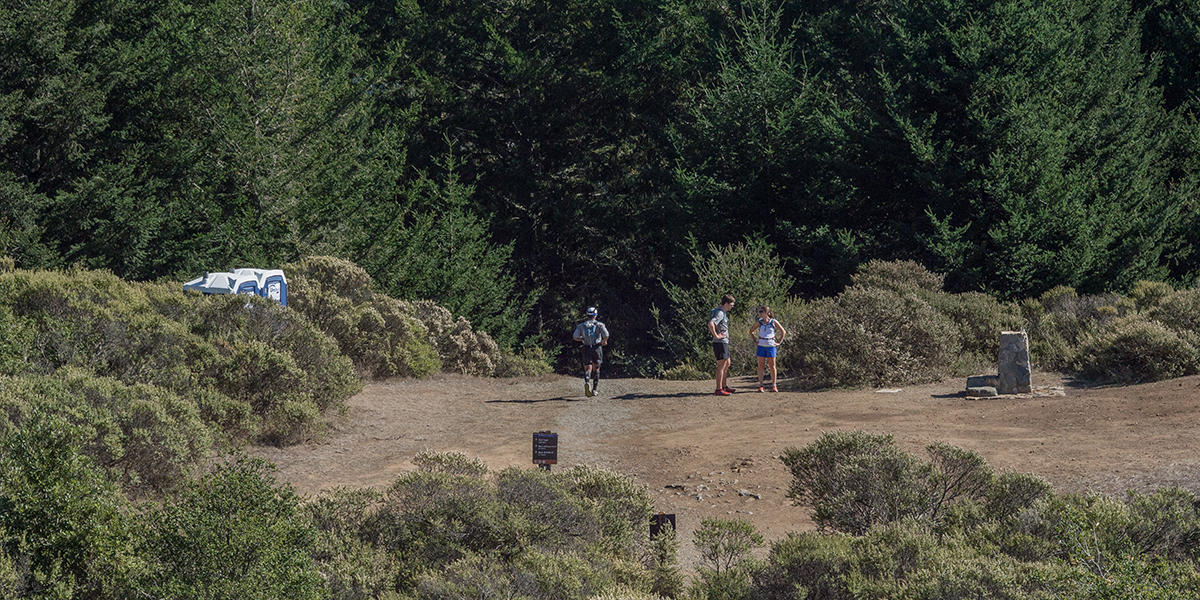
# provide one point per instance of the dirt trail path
(704, 456)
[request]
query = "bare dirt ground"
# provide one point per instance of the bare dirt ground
(703, 456)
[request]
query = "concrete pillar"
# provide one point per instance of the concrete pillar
(1016, 376)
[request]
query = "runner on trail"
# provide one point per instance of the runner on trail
(769, 333)
(718, 326)
(594, 336)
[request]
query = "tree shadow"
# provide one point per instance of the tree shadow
(649, 396)
(537, 400)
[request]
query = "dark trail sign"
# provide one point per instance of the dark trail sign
(545, 448)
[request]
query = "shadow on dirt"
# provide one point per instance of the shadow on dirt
(675, 395)
(537, 400)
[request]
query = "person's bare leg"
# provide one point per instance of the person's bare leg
(761, 363)
(774, 374)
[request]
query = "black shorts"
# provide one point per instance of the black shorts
(593, 354)
(721, 350)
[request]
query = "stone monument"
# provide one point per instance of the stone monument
(1012, 363)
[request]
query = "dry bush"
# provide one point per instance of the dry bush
(1179, 310)
(386, 336)
(528, 362)
(380, 334)
(686, 372)
(868, 337)
(979, 319)
(462, 349)
(1060, 320)
(898, 276)
(1134, 349)
(1147, 294)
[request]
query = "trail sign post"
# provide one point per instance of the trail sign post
(545, 449)
(659, 522)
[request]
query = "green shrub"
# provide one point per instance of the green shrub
(385, 336)
(146, 437)
(7, 263)
(726, 566)
(63, 533)
(352, 564)
(16, 344)
(1134, 349)
(185, 343)
(452, 511)
(869, 337)
(686, 371)
(452, 463)
(1060, 321)
(1166, 524)
(231, 534)
(530, 361)
(750, 270)
(856, 480)
(901, 276)
(663, 562)
(1147, 294)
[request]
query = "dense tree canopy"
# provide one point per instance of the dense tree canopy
(517, 161)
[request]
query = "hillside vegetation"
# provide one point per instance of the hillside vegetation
(515, 162)
(896, 324)
(158, 375)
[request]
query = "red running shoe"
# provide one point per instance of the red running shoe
(721, 393)
(729, 389)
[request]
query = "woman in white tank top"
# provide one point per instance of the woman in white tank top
(769, 334)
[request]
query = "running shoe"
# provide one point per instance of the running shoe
(730, 390)
(774, 389)
(760, 389)
(721, 393)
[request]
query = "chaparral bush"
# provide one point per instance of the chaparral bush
(1147, 294)
(352, 564)
(1060, 320)
(686, 371)
(869, 337)
(855, 480)
(1135, 349)
(1179, 310)
(252, 367)
(725, 566)
(898, 276)
(978, 319)
(147, 438)
(461, 348)
(231, 534)
(530, 361)
(63, 528)
(1005, 536)
(452, 527)
(381, 335)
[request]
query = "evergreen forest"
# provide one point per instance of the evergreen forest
(517, 161)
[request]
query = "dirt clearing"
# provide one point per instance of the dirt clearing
(703, 456)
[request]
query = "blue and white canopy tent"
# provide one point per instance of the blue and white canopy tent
(268, 283)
